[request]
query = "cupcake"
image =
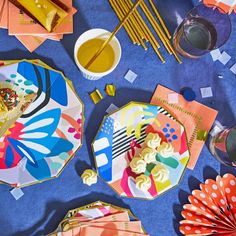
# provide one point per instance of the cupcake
(138, 165)
(148, 155)
(89, 177)
(143, 182)
(153, 140)
(165, 150)
(160, 173)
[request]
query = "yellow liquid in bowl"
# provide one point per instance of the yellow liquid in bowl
(103, 62)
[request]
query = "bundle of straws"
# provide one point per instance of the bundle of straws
(138, 30)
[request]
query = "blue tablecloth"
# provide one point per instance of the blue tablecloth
(39, 211)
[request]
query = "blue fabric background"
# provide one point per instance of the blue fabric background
(42, 207)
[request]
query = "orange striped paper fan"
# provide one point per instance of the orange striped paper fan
(212, 209)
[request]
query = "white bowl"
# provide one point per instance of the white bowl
(91, 34)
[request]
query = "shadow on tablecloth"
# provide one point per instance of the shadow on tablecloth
(56, 211)
(80, 26)
(173, 12)
(17, 54)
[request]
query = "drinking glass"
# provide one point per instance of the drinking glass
(205, 28)
(223, 146)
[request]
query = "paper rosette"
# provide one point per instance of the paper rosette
(98, 219)
(228, 6)
(212, 209)
(121, 138)
(44, 139)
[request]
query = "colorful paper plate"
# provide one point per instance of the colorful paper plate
(122, 135)
(48, 134)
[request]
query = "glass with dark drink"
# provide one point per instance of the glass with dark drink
(205, 28)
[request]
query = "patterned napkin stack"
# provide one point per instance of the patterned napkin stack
(99, 219)
(28, 31)
(228, 6)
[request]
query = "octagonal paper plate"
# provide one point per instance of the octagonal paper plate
(121, 137)
(46, 136)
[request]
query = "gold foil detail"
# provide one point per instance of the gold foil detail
(96, 96)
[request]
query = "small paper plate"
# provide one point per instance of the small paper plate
(122, 134)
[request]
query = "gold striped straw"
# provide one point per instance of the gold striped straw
(133, 26)
(159, 32)
(127, 27)
(138, 21)
(148, 32)
(160, 19)
(152, 21)
(150, 36)
(136, 27)
(118, 27)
